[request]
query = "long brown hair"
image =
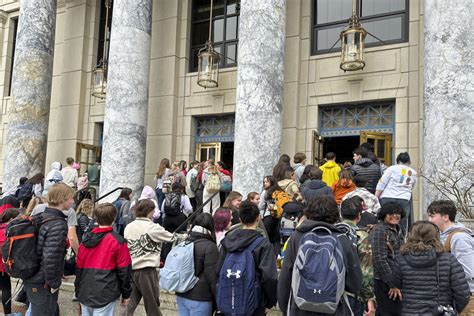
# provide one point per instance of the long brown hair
(345, 177)
(233, 195)
(423, 236)
(165, 163)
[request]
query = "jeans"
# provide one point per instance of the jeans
(406, 206)
(107, 310)
(42, 301)
(188, 307)
(160, 196)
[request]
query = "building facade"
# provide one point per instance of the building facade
(323, 108)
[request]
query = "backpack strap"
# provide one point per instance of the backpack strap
(254, 244)
(447, 243)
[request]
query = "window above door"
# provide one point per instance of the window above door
(225, 29)
(386, 19)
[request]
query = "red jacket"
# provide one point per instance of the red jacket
(103, 268)
(3, 228)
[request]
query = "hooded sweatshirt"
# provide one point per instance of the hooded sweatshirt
(265, 262)
(462, 247)
(331, 172)
(54, 176)
(149, 193)
(103, 268)
(351, 262)
(315, 188)
(299, 169)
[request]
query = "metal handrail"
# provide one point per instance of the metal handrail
(108, 193)
(195, 213)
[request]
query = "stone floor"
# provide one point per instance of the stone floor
(69, 308)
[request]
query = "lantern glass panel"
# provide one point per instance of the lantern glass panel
(208, 69)
(352, 49)
(100, 83)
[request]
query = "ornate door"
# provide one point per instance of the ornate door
(382, 143)
(206, 151)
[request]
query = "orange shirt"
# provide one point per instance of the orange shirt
(341, 188)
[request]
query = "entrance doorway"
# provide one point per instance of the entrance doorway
(341, 146)
(218, 151)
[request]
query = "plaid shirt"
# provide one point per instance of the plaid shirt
(386, 242)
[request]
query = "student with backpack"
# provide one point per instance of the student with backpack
(317, 242)
(145, 239)
(32, 187)
(5, 284)
(176, 208)
(211, 180)
(191, 177)
(124, 216)
(247, 268)
(103, 268)
(84, 217)
(456, 239)
(351, 212)
(198, 300)
(275, 198)
(42, 288)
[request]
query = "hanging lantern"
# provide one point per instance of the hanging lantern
(208, 61)
(208, 67)
(99, 80)
(99, 74)
(352, 44)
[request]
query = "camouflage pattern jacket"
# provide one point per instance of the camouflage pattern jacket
(364, 250)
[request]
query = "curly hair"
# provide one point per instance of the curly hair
(423, 236)
(388, 209)
(322, 209)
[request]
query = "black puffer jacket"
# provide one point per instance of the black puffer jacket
(415, 275)
(82, 223)
(205, 260)
(51, 248)
(312, 189)
(369, 170)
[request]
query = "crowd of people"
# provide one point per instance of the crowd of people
(316, 240)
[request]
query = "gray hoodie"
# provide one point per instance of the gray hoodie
(462, 247)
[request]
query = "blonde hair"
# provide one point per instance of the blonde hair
(86, 207)
(33, 203)
(59, 193)
(233, 195)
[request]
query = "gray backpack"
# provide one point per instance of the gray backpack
(319, 273)
(178, 273)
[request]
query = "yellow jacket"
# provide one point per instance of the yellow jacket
(330, 172)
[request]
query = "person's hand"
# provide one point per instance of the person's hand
(78, 308)
(124, 302)
(395, 293)
(370, 308)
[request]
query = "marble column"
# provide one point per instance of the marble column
(258, 120)
(125, 124)
(28, 111)
(448, 94)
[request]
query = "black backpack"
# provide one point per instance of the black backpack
(19, 250)
(25, 192)
(172, 204)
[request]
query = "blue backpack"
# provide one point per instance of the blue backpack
(319, 273)
(178, 273)
(238, 287)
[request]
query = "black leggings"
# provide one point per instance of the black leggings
(272, 225)
(6, 287)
